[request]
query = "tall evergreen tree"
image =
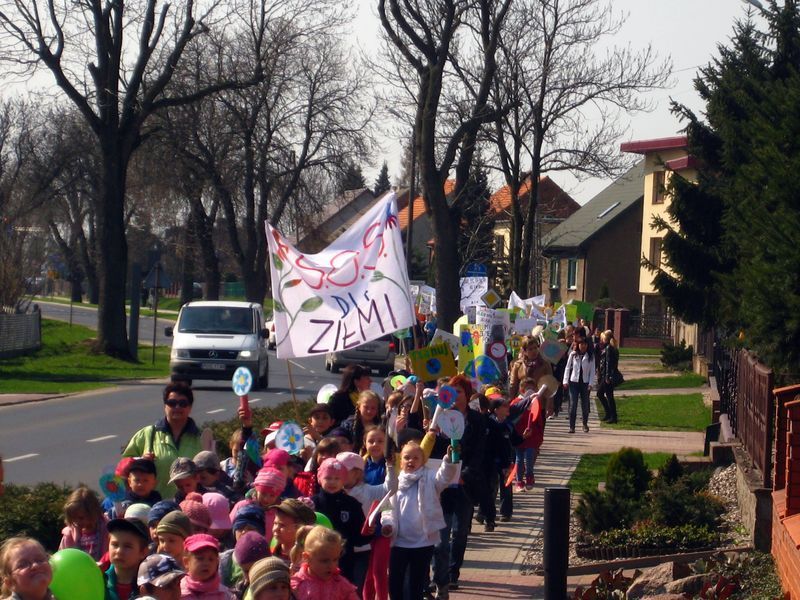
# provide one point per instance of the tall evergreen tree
(351, 178)
(382, 183)
(476, 238)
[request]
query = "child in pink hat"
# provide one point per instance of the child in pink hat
(202, 582)
(218, 507)
(268, 486)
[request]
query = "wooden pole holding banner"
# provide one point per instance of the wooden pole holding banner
(291, 388)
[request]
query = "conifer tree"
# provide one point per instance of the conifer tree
(382, 183)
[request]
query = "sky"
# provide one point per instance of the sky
(687, 31)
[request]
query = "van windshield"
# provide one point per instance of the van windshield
(216, 319)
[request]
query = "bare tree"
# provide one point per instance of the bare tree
(438, 40)
(116, 84)
(568, 98)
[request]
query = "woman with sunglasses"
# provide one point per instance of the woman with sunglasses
(171, 437)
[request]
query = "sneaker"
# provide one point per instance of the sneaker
(585, 429)
(479, 518)
(519, 486)
(505, 518)
(489, 527)
(572, 430)
(529, 481)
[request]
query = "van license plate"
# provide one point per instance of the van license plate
(212, 366)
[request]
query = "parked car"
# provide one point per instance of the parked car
(212, 339)
(271, 342)
(378, 354)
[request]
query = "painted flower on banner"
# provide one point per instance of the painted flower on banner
(290, 438)
(451, 424)
(112, 486)
(447, 396)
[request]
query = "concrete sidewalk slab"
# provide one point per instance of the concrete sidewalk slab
(11, 399)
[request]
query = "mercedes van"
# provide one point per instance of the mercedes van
(211, 339)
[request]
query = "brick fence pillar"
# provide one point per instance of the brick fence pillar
(621, 316)
(792, 442)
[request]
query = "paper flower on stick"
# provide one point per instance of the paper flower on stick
(451, 424)
(447, 396)
(112, 486)
(290, 438)
(325, 392)
(397, 382)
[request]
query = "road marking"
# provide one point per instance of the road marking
(216, 410)
(279, 393)
(313, 372)
(101, 439)
(256, 400)
(298, 365)
(22, 457)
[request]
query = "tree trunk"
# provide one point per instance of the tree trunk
(515, 237)
(112, 336)
(528, 237)
(204, 234)
(187, 264)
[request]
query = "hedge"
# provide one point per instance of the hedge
(35, 511)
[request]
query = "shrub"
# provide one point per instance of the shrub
(601, 511)
(677, 504)
(262, 417)
(627, 475)
(671, 471)
(677, 357)
(651, 535)
(34, 511)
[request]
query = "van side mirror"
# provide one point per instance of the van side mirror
(168, 331)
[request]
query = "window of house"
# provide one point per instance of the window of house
(554, 273)
(572, 273)
(655, 251)
(499, 246)
(658, 187)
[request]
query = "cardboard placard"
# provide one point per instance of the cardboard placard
(443, 337)
(466, 350)
(433, 362)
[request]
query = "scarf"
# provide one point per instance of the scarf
(406, 480)
(203, 587)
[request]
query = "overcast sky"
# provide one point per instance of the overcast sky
(688, 31)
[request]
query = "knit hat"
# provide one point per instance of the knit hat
(181, 468)
(350, 460)
(198, 541)
(218, 508)
(250, 547)
(342, 433)
(252, 515)
(270, 481)
(206, 460)
(138, 510)
(266, 571)
(297, 510)
(159, 570)
(331, 467)
(197, 512)
(176, 523)
(276, 458)
(160, 510)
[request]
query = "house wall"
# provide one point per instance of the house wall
(613, 259)
(654, 163)
(561, 292)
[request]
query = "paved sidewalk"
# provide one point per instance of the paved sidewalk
(493, 562)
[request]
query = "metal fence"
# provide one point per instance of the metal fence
(650, 326)
(20, 334)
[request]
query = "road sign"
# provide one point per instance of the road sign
(242, 381)
(491, 298)
(476, 270)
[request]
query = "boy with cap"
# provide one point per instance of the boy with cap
(159, 578)
(270, 580)
(127, 548)
(202, 581)
(171, 532)
(183, 474)
(211, 476)
(158, 511)
(250, 517)
(344, 511)
(289, 516)
(140, 476)
(320, 423)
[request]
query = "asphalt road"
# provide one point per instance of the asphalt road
(72, 439)
(87, 317)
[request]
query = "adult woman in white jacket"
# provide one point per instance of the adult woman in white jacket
(578, 379)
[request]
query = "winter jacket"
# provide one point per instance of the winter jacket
(158, 440)
(521, 369)
(499, 451)
(308, 587)
(347, 517)
(534, 419)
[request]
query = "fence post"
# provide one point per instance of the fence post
(556, 542)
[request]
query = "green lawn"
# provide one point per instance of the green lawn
(684, 380)
(669, 412)
(640, 351)
(66, 364)
(591, 469)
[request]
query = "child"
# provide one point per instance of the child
(211, 477)
(281, 460)
(366, 494)
(289, 515)
(218, 508)
(25, 569)
(416, 519)
(160, 577)
(86, 526)
(320, 422)
(197, 512)
(183, 474)
(306, 481)
(345, 512)
(202, 581)
(268, 485)
(234, 565)
(320, 549)
(530, 428)
(373, 451)
(140, 475)
(158, 511)
(171, 534)
(367, 409)
(343, 437)
(249, 518)
(498, 460)
(270, 580)
(127, 548)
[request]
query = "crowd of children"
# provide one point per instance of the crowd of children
(378, 505)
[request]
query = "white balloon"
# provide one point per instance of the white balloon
(325, 393)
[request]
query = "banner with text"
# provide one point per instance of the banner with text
(352, 292)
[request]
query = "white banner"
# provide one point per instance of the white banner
(472, 288)
(352, 292)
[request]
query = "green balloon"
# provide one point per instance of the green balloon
(76, 575)
(323, 520)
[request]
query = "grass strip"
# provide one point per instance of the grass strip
(591, 469)
(684, 380)
(667, 412)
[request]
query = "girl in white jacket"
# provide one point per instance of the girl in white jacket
(579, 379)
(416, 519)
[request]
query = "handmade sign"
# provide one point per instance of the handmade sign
(241, 383)
(354, 291)
(427, 300)
(433, 362)
(446, 396)
(325, 393)
(523, 326)
(398, 381)
(514, 301)
(112, 485)
(583, 310)
(290, 438)
(451, 424)
(483, 370)
(442, 337)
(552, 350)
(472, 288)
(466, 350)
(497, 351)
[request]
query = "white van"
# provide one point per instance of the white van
(212, 338)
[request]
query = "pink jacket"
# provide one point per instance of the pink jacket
(71, 536)
(307, 587)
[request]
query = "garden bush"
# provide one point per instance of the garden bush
(601, 511)
(677, 504)
(34, 511)
(648, 534)
(627, 475)
(671, 471)
(677, 357)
